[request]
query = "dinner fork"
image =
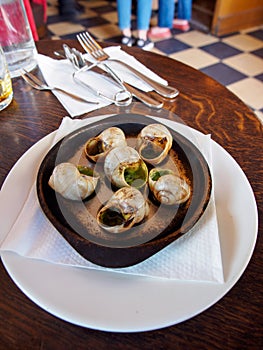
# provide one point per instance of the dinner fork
(91, 46)
(36, 83)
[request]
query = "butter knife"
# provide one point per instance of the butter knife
(161, 89)
(143, 97)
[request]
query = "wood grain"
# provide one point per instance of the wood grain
(235, 322)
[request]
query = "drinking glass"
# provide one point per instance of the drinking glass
(6, 91)
(16, 37)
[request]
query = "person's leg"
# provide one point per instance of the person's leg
(124, 8)
(124, 14)
(184, 9)
(165, 20)
(184, 15)
(144, 11)
(166, 13)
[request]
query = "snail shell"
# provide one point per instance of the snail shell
(125, 208)
(67, 180)
(153, 143)
(97, 147)
(124, 167)
(167, 187)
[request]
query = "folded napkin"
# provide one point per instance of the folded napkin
(195, 256)
(58, 73)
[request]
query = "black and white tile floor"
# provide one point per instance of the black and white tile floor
(235, 60)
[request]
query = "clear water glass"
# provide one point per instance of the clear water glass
(6, 91)
(16, 37)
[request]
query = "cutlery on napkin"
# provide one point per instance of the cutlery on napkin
(93, 48)
(59, 73)
(195, 256)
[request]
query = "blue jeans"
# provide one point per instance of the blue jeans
(144, 11)
(166, 12)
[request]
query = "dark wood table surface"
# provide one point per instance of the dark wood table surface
(235, 322)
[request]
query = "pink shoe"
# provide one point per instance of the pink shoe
(181, 24)
(159, 33)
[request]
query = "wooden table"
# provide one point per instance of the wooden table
(235, 322)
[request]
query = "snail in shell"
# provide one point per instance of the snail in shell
(167, 187)
(97, 147)
(125, 208)
(153, 143)
(124, 167)
(72, 182)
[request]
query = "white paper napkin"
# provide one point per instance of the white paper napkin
(58, 73)
(195, 256)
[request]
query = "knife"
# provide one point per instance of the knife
(163, 90)
(143, 96)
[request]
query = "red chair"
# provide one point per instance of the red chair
(37, 16)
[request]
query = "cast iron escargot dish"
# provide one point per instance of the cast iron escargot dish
(121, 189)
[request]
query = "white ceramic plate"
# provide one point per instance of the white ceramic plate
(116, 302)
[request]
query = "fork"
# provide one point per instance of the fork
(36, 83)
(91, 46)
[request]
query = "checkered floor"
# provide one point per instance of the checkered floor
(235, 60)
